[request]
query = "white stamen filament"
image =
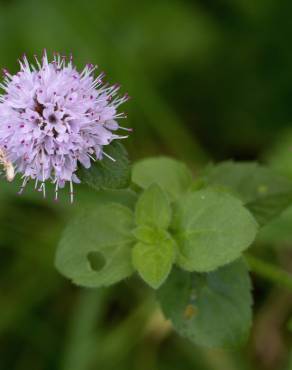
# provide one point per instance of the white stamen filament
(56, 190)
(107, 155)
(71, 192)
(25, 181)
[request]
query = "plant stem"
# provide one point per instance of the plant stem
(270, 272)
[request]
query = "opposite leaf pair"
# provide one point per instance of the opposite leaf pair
(154, 254)
(99, 245)
(198, 230)
(207, 229)
(202, 227)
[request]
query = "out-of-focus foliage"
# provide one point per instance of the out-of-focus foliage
(265, 192)
(209, 80)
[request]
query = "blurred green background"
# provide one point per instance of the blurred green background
(210, 80)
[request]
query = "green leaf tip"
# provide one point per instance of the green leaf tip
(154, 261)
(153, 209)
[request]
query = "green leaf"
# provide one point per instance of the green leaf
(212, 228)
(172, 176)
(211, 309)
(108, 173)
(265, 192)
(150, 235)
(95, 249)
(154, 261)
(153, 208)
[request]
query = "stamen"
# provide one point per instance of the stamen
(43, 185)
(107, 155)
(43, 189)
(56, 190)
(25, 181)
(90, 156)
(71, 192)
(126, 128)
(120, 137)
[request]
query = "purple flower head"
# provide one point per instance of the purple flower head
(53, 118)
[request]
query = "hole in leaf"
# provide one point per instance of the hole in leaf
(96, 260)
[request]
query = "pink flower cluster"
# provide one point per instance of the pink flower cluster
(53, 118)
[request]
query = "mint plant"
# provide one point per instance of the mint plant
(186, 237)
